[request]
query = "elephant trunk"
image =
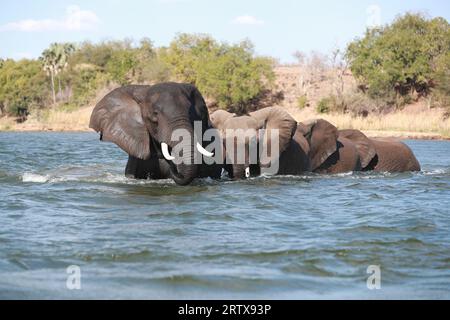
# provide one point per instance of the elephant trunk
(185, 174)
(185, 170)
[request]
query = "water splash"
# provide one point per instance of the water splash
(35, 178)
(92, 174)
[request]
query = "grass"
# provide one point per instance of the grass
(51, 120)
(422, 123)
(6, 124)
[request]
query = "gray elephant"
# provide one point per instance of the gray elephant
(317, 147)
(382, 155)
(140, 119)
(244, 133)
(303, 147)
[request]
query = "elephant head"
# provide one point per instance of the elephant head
(364, 146)
(322, 138)
(141, 120)
(243, 133)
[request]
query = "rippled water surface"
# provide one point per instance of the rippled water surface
(64, 201)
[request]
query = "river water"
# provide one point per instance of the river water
(65, 202)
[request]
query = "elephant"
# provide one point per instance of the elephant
(317, 147)
(140, 119)
(243, 133)
(382, 155)
(314, 146)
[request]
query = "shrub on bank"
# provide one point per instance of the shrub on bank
(22, 86)
(231, 75)
(302, 102)
(403, 60)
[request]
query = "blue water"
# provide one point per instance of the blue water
(64, 201)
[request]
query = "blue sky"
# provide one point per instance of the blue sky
(276, 27)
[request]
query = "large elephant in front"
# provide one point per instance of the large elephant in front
(140, 119)
(382, 155)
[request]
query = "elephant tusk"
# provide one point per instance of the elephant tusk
(165, 151)
(247, 172)
(203, 151)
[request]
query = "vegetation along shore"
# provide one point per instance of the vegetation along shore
(392, 81)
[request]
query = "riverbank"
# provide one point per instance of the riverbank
(404, 124)
(415, 121)
(426, 125)
(51, 120)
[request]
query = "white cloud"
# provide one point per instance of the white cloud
(247, 20)
(74, 20)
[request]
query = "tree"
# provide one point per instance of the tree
(50, 61)
(313, 68)
(400, 59)
(121, 66)
(229, 74)
(55, 60)
(64, 51)
(442, 80)
(22, 86)
(339, 66)
(149, 67)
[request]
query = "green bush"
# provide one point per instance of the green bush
(442, 91)
(121, 66)
(83, 81)
(400, 59)
(23, 85)
(302, 101)
(229, 74)
(324, 105)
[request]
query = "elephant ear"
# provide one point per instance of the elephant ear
(276, 118)
(118, 118)
(219, 117)
(322, 137)
(364, 145)
(197, 101)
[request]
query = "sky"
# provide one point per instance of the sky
(277, 28)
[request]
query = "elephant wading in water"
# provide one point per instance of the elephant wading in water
(141, 119)
(317, 147)
(320, 147)
(329, 152)
(250, 142)
(382, 155)
(314, 146)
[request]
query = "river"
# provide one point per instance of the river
(64, 201)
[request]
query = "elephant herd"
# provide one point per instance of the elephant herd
(142, 120)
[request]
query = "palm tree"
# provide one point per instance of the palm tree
(64, 51)
(55, 60)
(50, 59)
